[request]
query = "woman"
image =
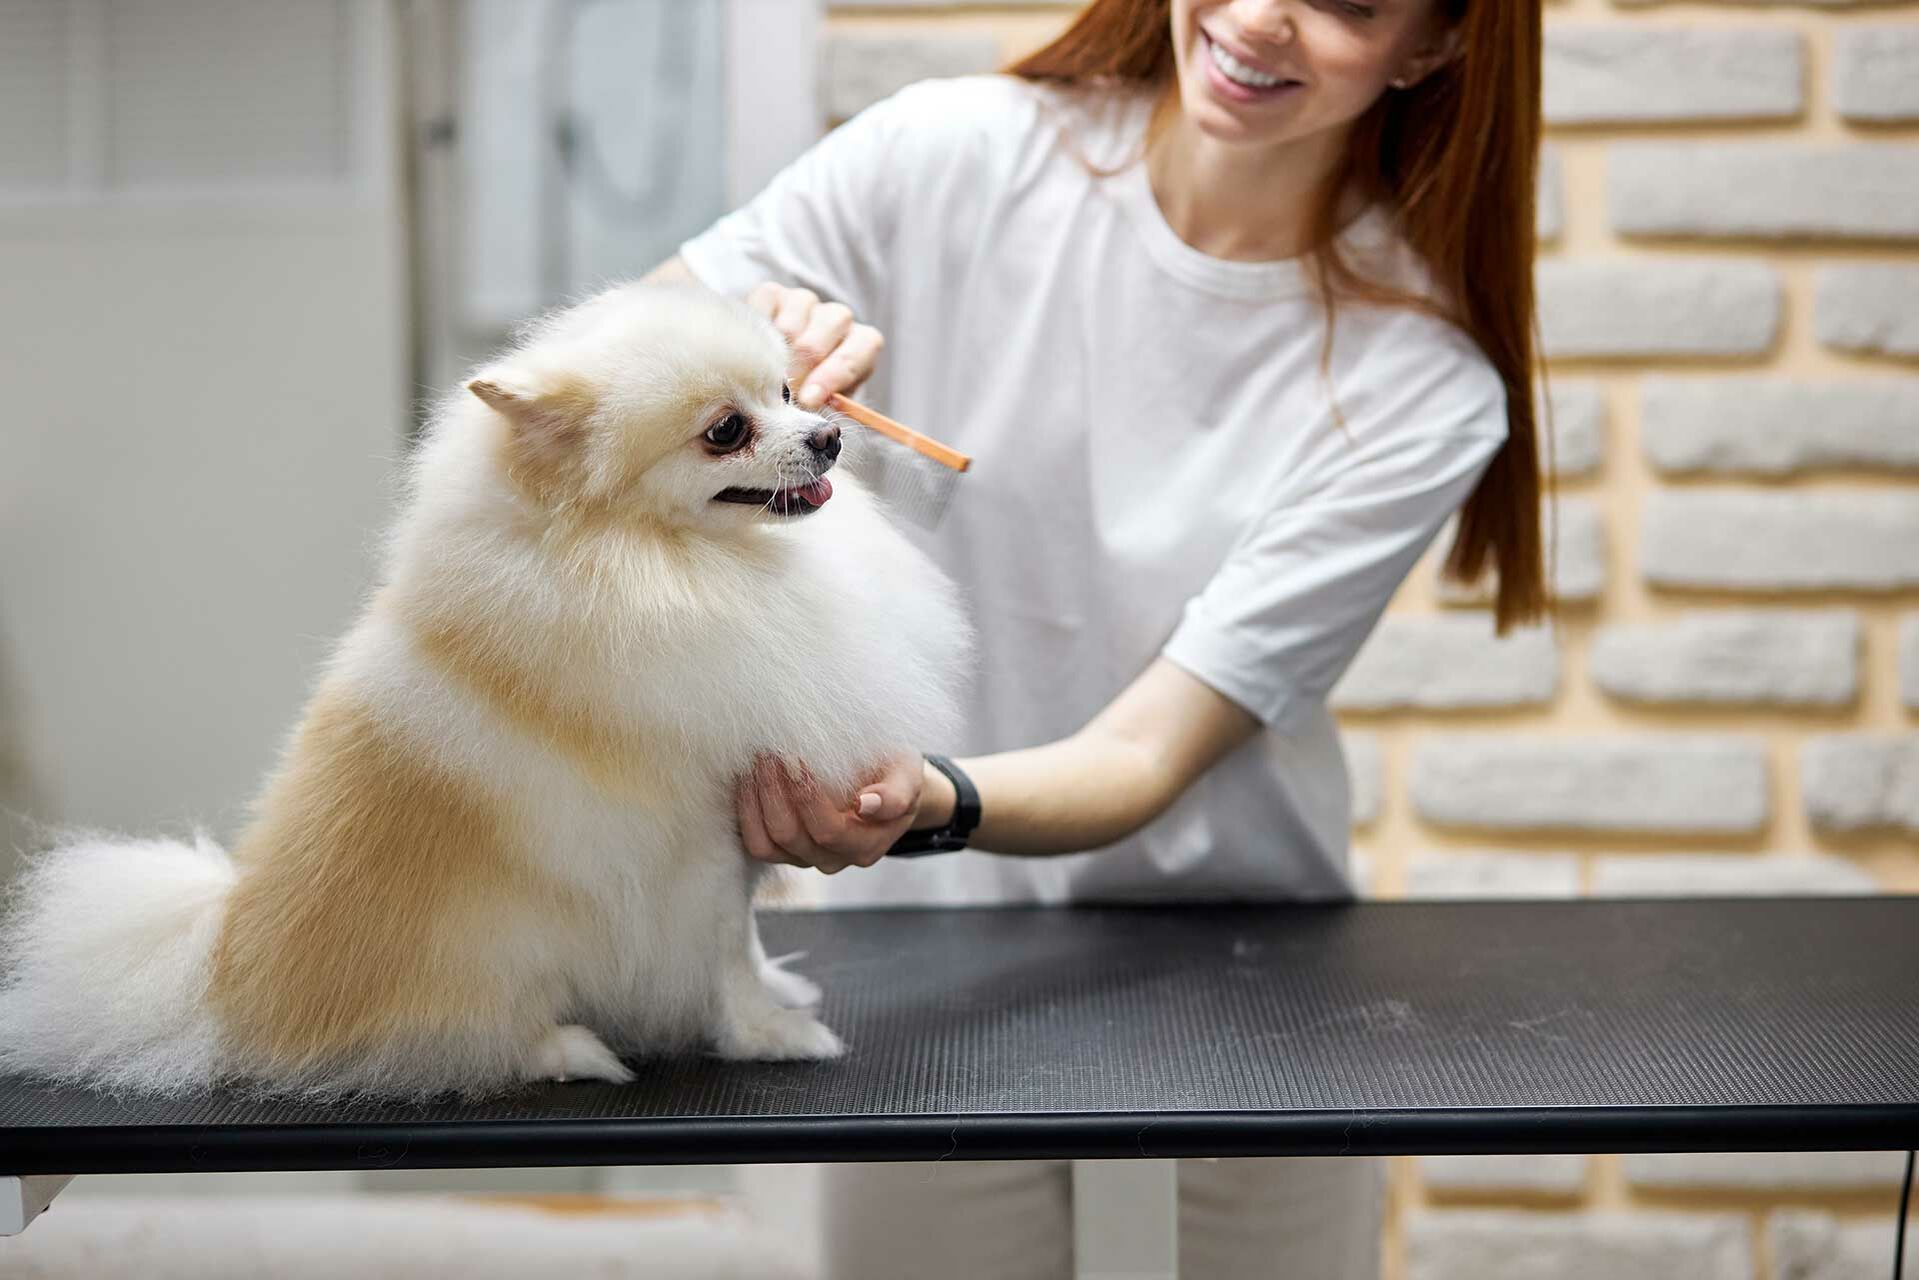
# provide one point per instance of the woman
(1231, 301)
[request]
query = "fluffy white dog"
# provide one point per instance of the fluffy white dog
(500, 845)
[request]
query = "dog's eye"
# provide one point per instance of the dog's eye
(786, 393)
(728, 432)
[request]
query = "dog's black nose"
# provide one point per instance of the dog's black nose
(825, 442)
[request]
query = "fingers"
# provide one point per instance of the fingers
(753, 836)
(845, 367)
(825, 328)
(895, 792)
(785, 820)
(830, 350)
(786, 816)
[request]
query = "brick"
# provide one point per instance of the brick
(1774, 426)
(1509, 1245)
(1766, 1170)
(1770, 189)
(1727, 875)
(1909, 660)
(1449, 662)
(1546, 1175)
(1654, 782)
(1857, 781)
(943, 4)
(1549, 213)
(1363, 870)
(1366, 773)
(1817, 4)
(1794, 540)
(858, 70)
(1630, 307)
(1808, 1245)
(1874, 309)
(1875, 73)
(1617, 74)
(1788, 657)
(1578, 424)
(1492, 875)
(1578, 551)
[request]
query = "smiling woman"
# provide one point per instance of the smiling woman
(1230, 302)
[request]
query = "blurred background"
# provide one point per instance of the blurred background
(244, 242)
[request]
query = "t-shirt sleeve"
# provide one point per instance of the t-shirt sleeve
(827, 220)
(1281, 619)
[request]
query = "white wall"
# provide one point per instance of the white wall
(202, 393)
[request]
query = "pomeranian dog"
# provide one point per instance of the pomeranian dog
(500, 845)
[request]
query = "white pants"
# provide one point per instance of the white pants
(1312, 1218)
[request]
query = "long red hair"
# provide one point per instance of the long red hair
(1456, 157)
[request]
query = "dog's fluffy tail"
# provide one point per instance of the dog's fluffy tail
(105, 949)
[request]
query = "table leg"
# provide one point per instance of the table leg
(22, 1199)
(1125, 1219)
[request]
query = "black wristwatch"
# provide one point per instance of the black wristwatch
(917, 844)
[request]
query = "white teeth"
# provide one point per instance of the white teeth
(1237, 71)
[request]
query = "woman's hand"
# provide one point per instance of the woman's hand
(786, 816)
(830, 351)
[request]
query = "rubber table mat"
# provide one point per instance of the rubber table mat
(1374, 1028)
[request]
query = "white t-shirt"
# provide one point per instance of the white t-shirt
(1158, 468)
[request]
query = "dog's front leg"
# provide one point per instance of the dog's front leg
(753, 1018)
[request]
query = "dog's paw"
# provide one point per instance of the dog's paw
(779, 1035)
(787, 987)
(575, 1053)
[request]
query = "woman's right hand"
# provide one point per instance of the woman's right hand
(831, 351)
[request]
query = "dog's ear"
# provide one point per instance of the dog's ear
(550, 418)
(549, 422)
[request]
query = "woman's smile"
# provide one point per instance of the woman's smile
(1239, 79)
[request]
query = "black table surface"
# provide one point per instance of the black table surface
(1376, 1028)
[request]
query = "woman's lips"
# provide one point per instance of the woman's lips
(1231, 89)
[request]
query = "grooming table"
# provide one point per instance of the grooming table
(1139, 1035)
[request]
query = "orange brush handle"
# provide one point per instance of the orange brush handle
(931, 448)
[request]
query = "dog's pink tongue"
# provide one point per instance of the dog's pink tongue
(818, 492)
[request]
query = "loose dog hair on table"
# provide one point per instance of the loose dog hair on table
(500, 845)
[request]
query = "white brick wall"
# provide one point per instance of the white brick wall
(1873, 308)
(858, 70)
(1755, 4)
(1727, 875)
(1365, 772)
(1875, 73)
(1721, 188)
(1782, 656)
(1449, 662)
(1808, 1245)
(1505, 1245)
(1909, 660)
(1549, 220)
(1578, 422)
(1618, 307)
(1491, 874)
(1651, 782)
(1766, 1170)
(1855, 781)
(1608, 73)
(1790, 540)
(1578, 555)
(1533, 1175)
(1774, 425)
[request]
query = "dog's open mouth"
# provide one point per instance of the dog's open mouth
(796, 501)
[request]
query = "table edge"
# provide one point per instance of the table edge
(389, 1144)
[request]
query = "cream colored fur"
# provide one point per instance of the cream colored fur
(500, 845)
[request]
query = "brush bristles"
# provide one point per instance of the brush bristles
(912, 485)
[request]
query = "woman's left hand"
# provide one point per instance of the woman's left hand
(786, 816)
